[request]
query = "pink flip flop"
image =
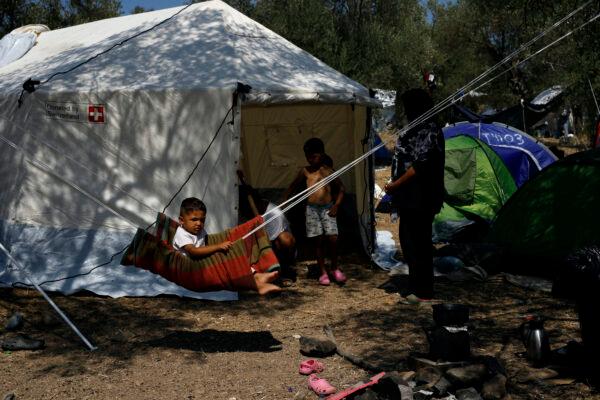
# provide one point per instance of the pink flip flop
(324, 280)
(308, 367)
(319, 385)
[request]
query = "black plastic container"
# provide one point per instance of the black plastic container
(449, 343)
(450, 314)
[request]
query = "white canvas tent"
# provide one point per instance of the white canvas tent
(97, 151)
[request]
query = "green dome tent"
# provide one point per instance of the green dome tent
(477, 185)
(553, 214)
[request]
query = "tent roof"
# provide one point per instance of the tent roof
(477, 184)
(553, 214)
(524, 155)
(207, 45)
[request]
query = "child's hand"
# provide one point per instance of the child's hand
(225, 246)
(333, 210)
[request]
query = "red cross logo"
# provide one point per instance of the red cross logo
(96, 113)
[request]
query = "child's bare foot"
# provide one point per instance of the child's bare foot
(266, 277)
(264, 288)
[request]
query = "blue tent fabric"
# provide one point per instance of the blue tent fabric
(522, 154)
(381, 155)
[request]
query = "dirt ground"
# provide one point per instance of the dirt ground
(172, 348)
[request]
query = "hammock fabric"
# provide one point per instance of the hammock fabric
(220, 271)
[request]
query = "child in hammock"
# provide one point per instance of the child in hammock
(190, 240)
(321, 208)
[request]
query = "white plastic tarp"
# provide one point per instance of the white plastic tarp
(80, 172)
(14, 45)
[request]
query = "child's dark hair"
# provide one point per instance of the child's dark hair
(191, 204)
(314, 145)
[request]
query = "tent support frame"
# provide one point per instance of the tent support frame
(49, 300)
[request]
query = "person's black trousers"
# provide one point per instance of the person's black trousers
(415, 239)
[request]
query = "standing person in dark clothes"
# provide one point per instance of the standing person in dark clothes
(417, 189)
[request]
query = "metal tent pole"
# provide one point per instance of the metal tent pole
(48, 299)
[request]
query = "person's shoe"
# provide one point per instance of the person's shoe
(324, 280)
(21, 342)
(15, 322)
(311, 366)
(320, 386)
(339, 276)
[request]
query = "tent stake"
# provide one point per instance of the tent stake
(49, 300)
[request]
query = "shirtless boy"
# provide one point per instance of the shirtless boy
(321, 209)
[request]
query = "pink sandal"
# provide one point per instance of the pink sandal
(324, 280)
(319, 385)
(308, 367)
(339, 276)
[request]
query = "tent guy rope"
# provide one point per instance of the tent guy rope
(30, 84)
(594, 96)
(438, 108)
(434, 111)
(68, 158)
(47, 169)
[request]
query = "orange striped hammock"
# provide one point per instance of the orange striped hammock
(153, 251)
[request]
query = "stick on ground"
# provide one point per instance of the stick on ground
(359, 362)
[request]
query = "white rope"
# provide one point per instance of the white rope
(452, 98)
(298, 198)
(71, 159)
(312, 189)
(48, 299)
(441, 107)
(425, 116)
(523, 115)
(49, 171)
(594, 96)
(543, 49)
(466, 88)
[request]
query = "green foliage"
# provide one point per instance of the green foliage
(381, 43)
(54, 13)
(471, 36)
(139, 10)
(82, 11)
(306, 23)
(12, 15)
(243, 6)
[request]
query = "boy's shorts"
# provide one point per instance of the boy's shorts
(319, 222)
